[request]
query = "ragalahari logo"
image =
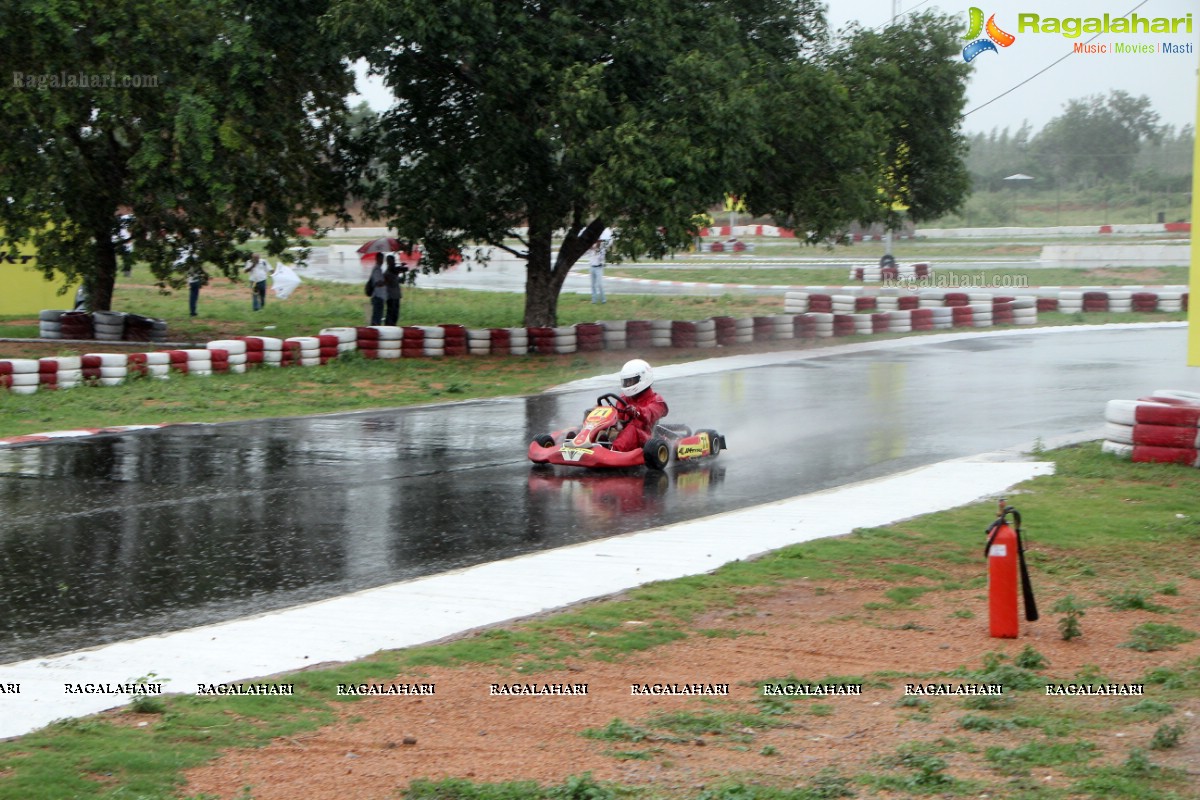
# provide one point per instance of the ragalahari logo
(995, 36)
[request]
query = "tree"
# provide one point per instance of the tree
(517, 119)
(1097, 138)
(908, 79)
(208, 122)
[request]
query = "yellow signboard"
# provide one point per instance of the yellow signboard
(23, 287)
(1193, 314)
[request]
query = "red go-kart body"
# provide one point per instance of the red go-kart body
(591, 445)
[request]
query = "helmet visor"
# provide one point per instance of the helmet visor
(630, 381)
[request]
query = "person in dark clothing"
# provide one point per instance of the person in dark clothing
(393, 278)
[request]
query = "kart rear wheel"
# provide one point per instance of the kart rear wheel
(544, 440)
(714, 441)
(657, 454)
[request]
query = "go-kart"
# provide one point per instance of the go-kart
(591, 445)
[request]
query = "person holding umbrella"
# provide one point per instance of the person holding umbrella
(392, 279)
(379, 290)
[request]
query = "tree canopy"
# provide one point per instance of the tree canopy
(208, 122)
(1097, 137)
(520, 119)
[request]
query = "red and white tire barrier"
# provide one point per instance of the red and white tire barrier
(234, 358)
(379, 341)
(589, 337)
(1163, 428)
(60, 372)
(614, 334)
(479, 341)
(302, 351)
(20, 375)
(346, 339)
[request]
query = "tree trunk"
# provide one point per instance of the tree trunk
(544, 274)
(542, 280)
(100, 283)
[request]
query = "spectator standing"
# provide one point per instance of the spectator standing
(257, 269)
(596, 260)
(379, 291)
(392, 277)
(197, 279)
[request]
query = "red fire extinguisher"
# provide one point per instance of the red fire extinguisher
(1006, 558)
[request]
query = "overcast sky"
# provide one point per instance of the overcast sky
(1169, 80)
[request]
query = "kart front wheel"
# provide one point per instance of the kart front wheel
(544, 440)
(657, 454)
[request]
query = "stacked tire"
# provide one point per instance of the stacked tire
(107, 369)
(1162, 428)
(1070, 302)
(822, 324)
(346, 338)
(154, 365)
(842, 303)
(109, 326)
(821, 303)
(638, 333)
(263, 351)
(302, 351)
(479, 341)
(843, 325)
(518, 341)
(235, 359)
(795, 302)
(144, 329)
(744, 330)
(660, 332)
(60, 372)
(412, 342)
(1143, 301)
(378, 341)
(50, 324)
(615, 337)
(76, 325)
(454, 340)
(962, 316)
(20, 375)
(328, 347)
(1171, 300)
(500, 341)
(589, 337)
(981, 314)
(922, 319)
(1025, 310)
(434, 341)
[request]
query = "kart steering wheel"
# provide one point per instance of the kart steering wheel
(614, 400)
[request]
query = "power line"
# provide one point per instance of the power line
(1044, 69)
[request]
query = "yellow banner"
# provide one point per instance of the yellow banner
(1193, 314)
(23, 288)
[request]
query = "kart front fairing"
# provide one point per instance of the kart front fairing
(590, 446)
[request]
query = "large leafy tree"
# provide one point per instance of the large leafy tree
(516, 120)
(209, 122)
(1097, 137)
(911, 82)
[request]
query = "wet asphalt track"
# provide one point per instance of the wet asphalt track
(121, 536)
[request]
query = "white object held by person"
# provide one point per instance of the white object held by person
(284, 280)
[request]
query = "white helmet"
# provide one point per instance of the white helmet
(636, 377)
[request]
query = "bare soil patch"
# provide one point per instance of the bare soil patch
(807, 631)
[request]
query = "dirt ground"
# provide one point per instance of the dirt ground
(804, 630)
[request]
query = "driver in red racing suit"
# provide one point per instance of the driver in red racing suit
(645, 406)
